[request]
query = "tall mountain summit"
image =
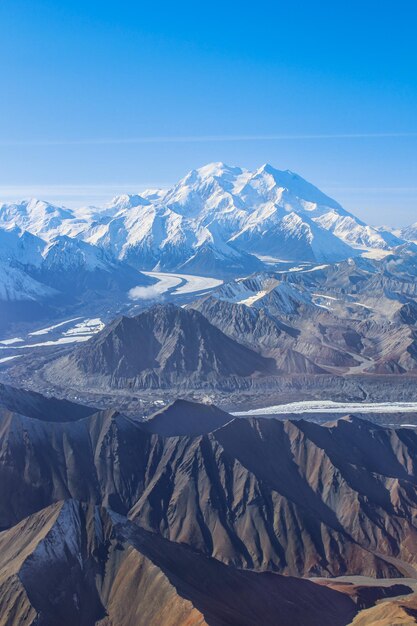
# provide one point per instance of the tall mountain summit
(217, 219)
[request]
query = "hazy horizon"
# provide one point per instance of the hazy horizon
(375, 210)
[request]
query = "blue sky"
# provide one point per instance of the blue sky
(105, 97)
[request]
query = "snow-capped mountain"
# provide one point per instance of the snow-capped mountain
(16, 286)
(75, 267)
(409, 233)
(216, 220)
(18, 247)
(271, 212)
(65, 253)
(264, 290)
(232, 213)
(42, 279)
(36, 216)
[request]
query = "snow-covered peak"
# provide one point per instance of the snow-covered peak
(20, 247)
(282, 298)
(127, 201)
(269, 182)
(218, 170)
(153, 195)
(37, 216)
(64, 253)
(228, 210)
(17, 285)
(409, 233)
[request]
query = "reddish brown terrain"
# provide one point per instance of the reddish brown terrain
(198, 518)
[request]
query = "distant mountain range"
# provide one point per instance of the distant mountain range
(352, 318)
(217, 219)
(357, 316)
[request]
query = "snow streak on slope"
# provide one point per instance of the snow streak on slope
(82, 331)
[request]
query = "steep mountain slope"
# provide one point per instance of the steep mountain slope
(73, 563)
(161, 347)
(37, 406)
(410, 232)
(349, 317)
(272, 203)
(76, 267)
(227, 212)
(150, 235)
(20, 248)
(292, 497)
(18, 286)
(40, 280)
(36, 216)
(186, 418)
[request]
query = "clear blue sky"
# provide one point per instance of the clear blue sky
(102, 97)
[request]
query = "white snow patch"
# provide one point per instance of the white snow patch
(9, 358)
(57, 342)
(45, 331)
(311, 269)
(252, 299)
(10, 342)
(80, 332)
(86, 327)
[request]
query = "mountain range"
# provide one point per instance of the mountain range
(353, 318)
(130, 515)
(38, 278)
(217, 219)
(200, 518)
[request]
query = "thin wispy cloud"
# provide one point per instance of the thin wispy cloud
(200, 139)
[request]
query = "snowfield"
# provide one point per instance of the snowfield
(328, 406)
(10, 342)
